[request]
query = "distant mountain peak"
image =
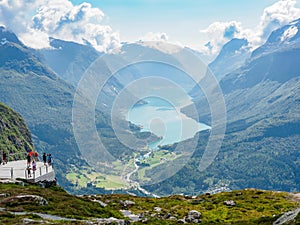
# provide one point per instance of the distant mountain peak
(284, 37)
(232, 55)
(7, 36)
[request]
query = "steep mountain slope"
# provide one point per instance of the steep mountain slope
(232, 55)
(68, 59)
(45, 101)
(15, 137)
(261, 146)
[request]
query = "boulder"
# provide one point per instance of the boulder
(193, 216)
(229, 203)
(181, 221)
(157, 209)
(112, 221)
(127, 203)
(25, 199)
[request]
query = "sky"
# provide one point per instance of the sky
(181, 20)
(105, 24)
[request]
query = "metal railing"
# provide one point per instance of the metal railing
(11, 172)
(42, 170)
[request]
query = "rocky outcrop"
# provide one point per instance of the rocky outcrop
(229, 203)
(24, 199)
(287, 217)
(193, 216)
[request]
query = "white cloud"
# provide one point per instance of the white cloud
(34, 21)
(277, 15)
(150, 36)
(218, 33)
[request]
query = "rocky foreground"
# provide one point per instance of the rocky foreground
(23, 203)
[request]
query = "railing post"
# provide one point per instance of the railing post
(40, 171)
(46, 169)
(12, 172)
(26, 175)
(33, 174)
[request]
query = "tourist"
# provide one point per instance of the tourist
(33, 166)
(4, 158)
(36, 156)
(44, 158)
(28, 160)
(49, 159)
(29, 171)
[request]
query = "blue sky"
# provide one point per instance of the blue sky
(181, 20)
(191, 23)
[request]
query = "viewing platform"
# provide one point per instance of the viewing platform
(18, 169)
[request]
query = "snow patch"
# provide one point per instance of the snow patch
(3, 41)
(289, 33)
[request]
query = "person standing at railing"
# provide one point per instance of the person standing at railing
(50, 159)
(4, 158)
(44, 158)
(29, 171)
(36, 156)
(28, 159)
(33, 167)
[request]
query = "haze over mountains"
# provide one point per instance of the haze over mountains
(261, 91)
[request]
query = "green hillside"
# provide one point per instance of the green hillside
(55, 206)
(15, 137)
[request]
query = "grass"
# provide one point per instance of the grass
(60, 203)
(252, 207)
(81, 178)
(155, 159)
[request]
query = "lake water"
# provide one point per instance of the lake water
(164, 120)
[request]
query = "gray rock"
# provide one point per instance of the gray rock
(157, 209)
(127, 203)
(3, 195)
(181, 221)
(100, 202)
(287, 217)
(172, 218)
(130, 215)
(112, 221)
(229, 203)
(193, 216)
(30, 221)
(21, 199)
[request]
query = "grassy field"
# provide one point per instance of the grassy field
(81, 178)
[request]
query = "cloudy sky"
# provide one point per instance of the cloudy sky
(107, 23)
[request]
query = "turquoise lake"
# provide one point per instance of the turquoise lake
(164, 120)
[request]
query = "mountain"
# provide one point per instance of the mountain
(46, 102)
(262, 99)
(68, 59)
(43, 100)
(261, 145)
(18, 57)
(15, 137)
(232, 55)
